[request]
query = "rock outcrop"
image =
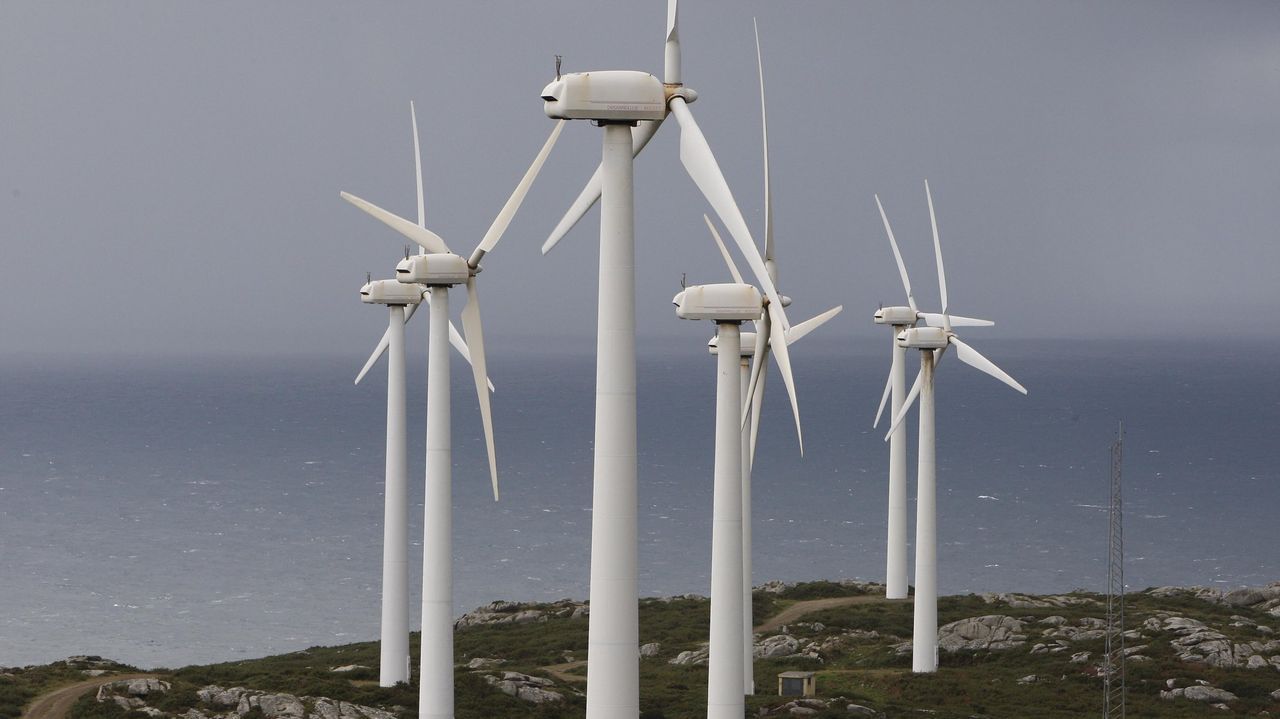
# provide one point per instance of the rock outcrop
(1200, 693)
(992, 631)
(692, 657)
(1262, 599)
(1197, 642)
(1026, 601)
(235, 703)
(810, 706)
(501, 612)
(535, 690)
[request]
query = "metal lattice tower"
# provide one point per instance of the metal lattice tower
(1113, 684)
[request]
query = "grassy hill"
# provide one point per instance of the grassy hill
(1042, 660)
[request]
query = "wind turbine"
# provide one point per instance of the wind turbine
(901, 318)
(752, 401)
(394, 661)
(728, 305)
(439, 269)
(619, 100)
(753, 387)
(932, 343)
(394, 664)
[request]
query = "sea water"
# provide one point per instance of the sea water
(172, 512)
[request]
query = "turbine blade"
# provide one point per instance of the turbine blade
(417, 168)
(934, 319)
(373, 358)
(797, 333)
(382, 346)
(590, 194)
(758, 359)
(778, 344)
(937, 251)
(475, 337)
(724, 251)
(503, 219)
(757, 401)
(421, 235)
(768, 193)
(897, 256)
(455, 338)
(884, 398)
(974, 358)
(701, 165)
(906, 405)
(671, 60)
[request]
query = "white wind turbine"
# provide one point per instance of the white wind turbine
(754, 389)
(439, 270)
(619, 100)
(749, 425)
(932, 343)
(394, 664)
(900, 318)
(728, 305)
(750, 347)
(455, 338)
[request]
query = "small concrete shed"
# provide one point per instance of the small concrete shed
(797, 684)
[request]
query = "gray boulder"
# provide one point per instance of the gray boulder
(992, 631)
(219, 697)
(693, 657)
(526, 688)
(1251, 596)
(286, 706)
(1208, 694)
(778, 645)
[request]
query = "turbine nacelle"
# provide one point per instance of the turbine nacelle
(728, 302)
(607, 96)
(390, 292)
(923, 338)
(746, 347)
(901, 316)
(440, 268)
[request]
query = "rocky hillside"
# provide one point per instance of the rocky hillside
(1190, 651)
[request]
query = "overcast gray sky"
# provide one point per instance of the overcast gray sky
(169, 171)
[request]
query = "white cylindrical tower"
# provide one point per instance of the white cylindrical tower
(613, 660)
(724, 664)
(895, 582)
(394, 662)
(924, 635)
(435, 697)
(748, 635)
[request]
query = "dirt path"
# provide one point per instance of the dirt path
(56, 704)
(561, 671)
(799, 609)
